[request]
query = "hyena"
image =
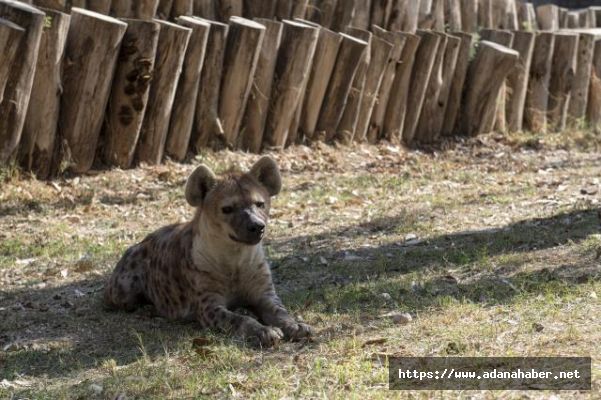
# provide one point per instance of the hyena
(214, 264)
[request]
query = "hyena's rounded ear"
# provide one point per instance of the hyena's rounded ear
(266, 171)
(199, 184)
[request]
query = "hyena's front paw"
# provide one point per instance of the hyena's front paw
(296, 331)
(262, 336)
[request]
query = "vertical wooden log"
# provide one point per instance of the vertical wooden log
(10, 38)
(433, 128)
(240, 61)
(422, 68)
(17, 90)
(585, 19)
(486, 75)
(362, 17)
(594, 101)
(347, 62)
(258, 102)
(380, 12)
(292, 67)
(425, 10)
(171, 51)
(122, 8)
(572, 20)
(208, 130)
(343, 15)
(512, 20)
(164, 9)
(485, 16)
(562, 78)
(469, 15)
(294, 135)
(129, 93)
(93, 44)
(453, 14)
(537, 98)
(58, 5)
(225, 9)
(143, 9)
(517, 81)
(397, 39)
(380, 55)
(265, 9)
(325, 57)
(299, 9)
(592, 17)
(427, 126)
(438, 15)
(283, 9)
(348, 123)
(562, 12)
(547, 17)
(504, 38)
(527, 17)
(184, 105)
(321, 11)
(458, 83)
(206, 9)
(39, 132)
(582, 79)
(394, 119)
(404, 16)
(504, 14)
(597, 11)
(182, 8)
(99, 6)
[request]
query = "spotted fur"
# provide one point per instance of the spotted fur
(214, 264)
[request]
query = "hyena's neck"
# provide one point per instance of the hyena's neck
(211, 250)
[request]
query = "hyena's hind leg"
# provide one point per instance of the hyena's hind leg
(125, 288)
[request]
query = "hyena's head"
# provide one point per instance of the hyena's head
(236, 207)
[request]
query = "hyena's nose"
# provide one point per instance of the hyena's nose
(255, 227)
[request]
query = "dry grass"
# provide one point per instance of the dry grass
(483, 242)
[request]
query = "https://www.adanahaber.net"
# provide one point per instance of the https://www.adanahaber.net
(486, 373)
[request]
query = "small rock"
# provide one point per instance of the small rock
(591, 191)
(593, 295)
(351, 257)
(410, 237)
(97, 389)
(538, 327)
(402, 319)
(399, 318)
(323, 261)
(386, 296)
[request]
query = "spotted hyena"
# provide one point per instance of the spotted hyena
(206, 268)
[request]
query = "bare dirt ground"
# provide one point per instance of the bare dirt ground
(492, 246)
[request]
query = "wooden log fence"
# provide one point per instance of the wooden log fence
(95, 83)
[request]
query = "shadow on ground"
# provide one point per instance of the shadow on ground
(56, 331)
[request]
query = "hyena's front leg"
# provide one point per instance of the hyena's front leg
(213, 313)
(271, 311)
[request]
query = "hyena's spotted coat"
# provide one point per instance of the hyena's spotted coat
(205, 268)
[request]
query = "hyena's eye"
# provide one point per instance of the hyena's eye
(260, 204)
(227, 210)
